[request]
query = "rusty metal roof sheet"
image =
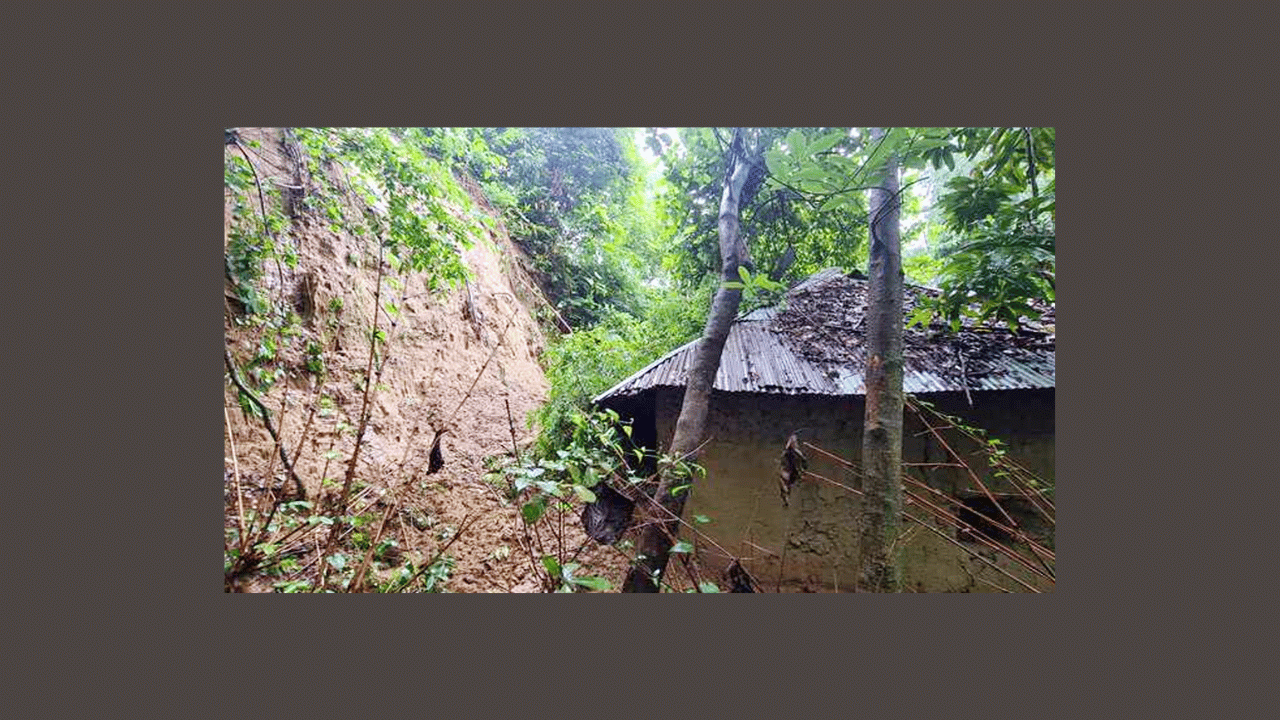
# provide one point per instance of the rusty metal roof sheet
(760, 358)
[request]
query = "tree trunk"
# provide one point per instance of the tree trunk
(882, 425)
(658, 537)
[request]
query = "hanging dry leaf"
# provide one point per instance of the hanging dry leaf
(740, 581)
(791, 467)
(609, 516)
(436, 461)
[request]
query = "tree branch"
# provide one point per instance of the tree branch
(266, 420)
(1031, 162)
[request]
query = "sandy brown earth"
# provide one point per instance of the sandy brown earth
(436, 352)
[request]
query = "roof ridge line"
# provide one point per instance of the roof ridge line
(643, 370)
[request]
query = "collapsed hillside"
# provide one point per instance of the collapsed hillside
(436, 347)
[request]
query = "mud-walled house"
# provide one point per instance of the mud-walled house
(797, 369)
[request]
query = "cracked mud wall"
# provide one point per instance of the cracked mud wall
(813, 541)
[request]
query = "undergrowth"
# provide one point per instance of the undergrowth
(595, 466)
(583, 364)
(283, 538)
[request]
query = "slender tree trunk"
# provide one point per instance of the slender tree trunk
(658, 537)
(882, 425)
(1031, 162)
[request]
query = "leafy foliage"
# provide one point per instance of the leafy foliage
(574, 200)
(251, 236)
(998, 260)
(996, 256)
(797, 208)
(584, 364)
(807, 212)
(399, 187)
(597, 452)
(278, 537)
(395, 185)
(757, 290)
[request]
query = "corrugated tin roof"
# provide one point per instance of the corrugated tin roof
(760, 358)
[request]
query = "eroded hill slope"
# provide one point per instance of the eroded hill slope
(480, 338)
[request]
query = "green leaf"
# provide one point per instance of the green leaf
(796, 144)
(338, 561)
(826, 142)
(292, 586)
(764, 282)
(584, 494)
(929, 143)
(881, 149)
(776, 161)
(732, 285)
(708, 587)
(701, 519)
(836, 202)
(675, 491)
(746, 276)
(550, 487)
(598, 584)
(922, 316)
(682, 547)
(815, 174)
(552, 565)
(532, 510)
(841, 164)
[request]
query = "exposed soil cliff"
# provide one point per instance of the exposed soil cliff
(435, 352)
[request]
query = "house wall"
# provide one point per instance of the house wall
(814, 539)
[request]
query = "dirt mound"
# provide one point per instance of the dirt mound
(435, 353)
